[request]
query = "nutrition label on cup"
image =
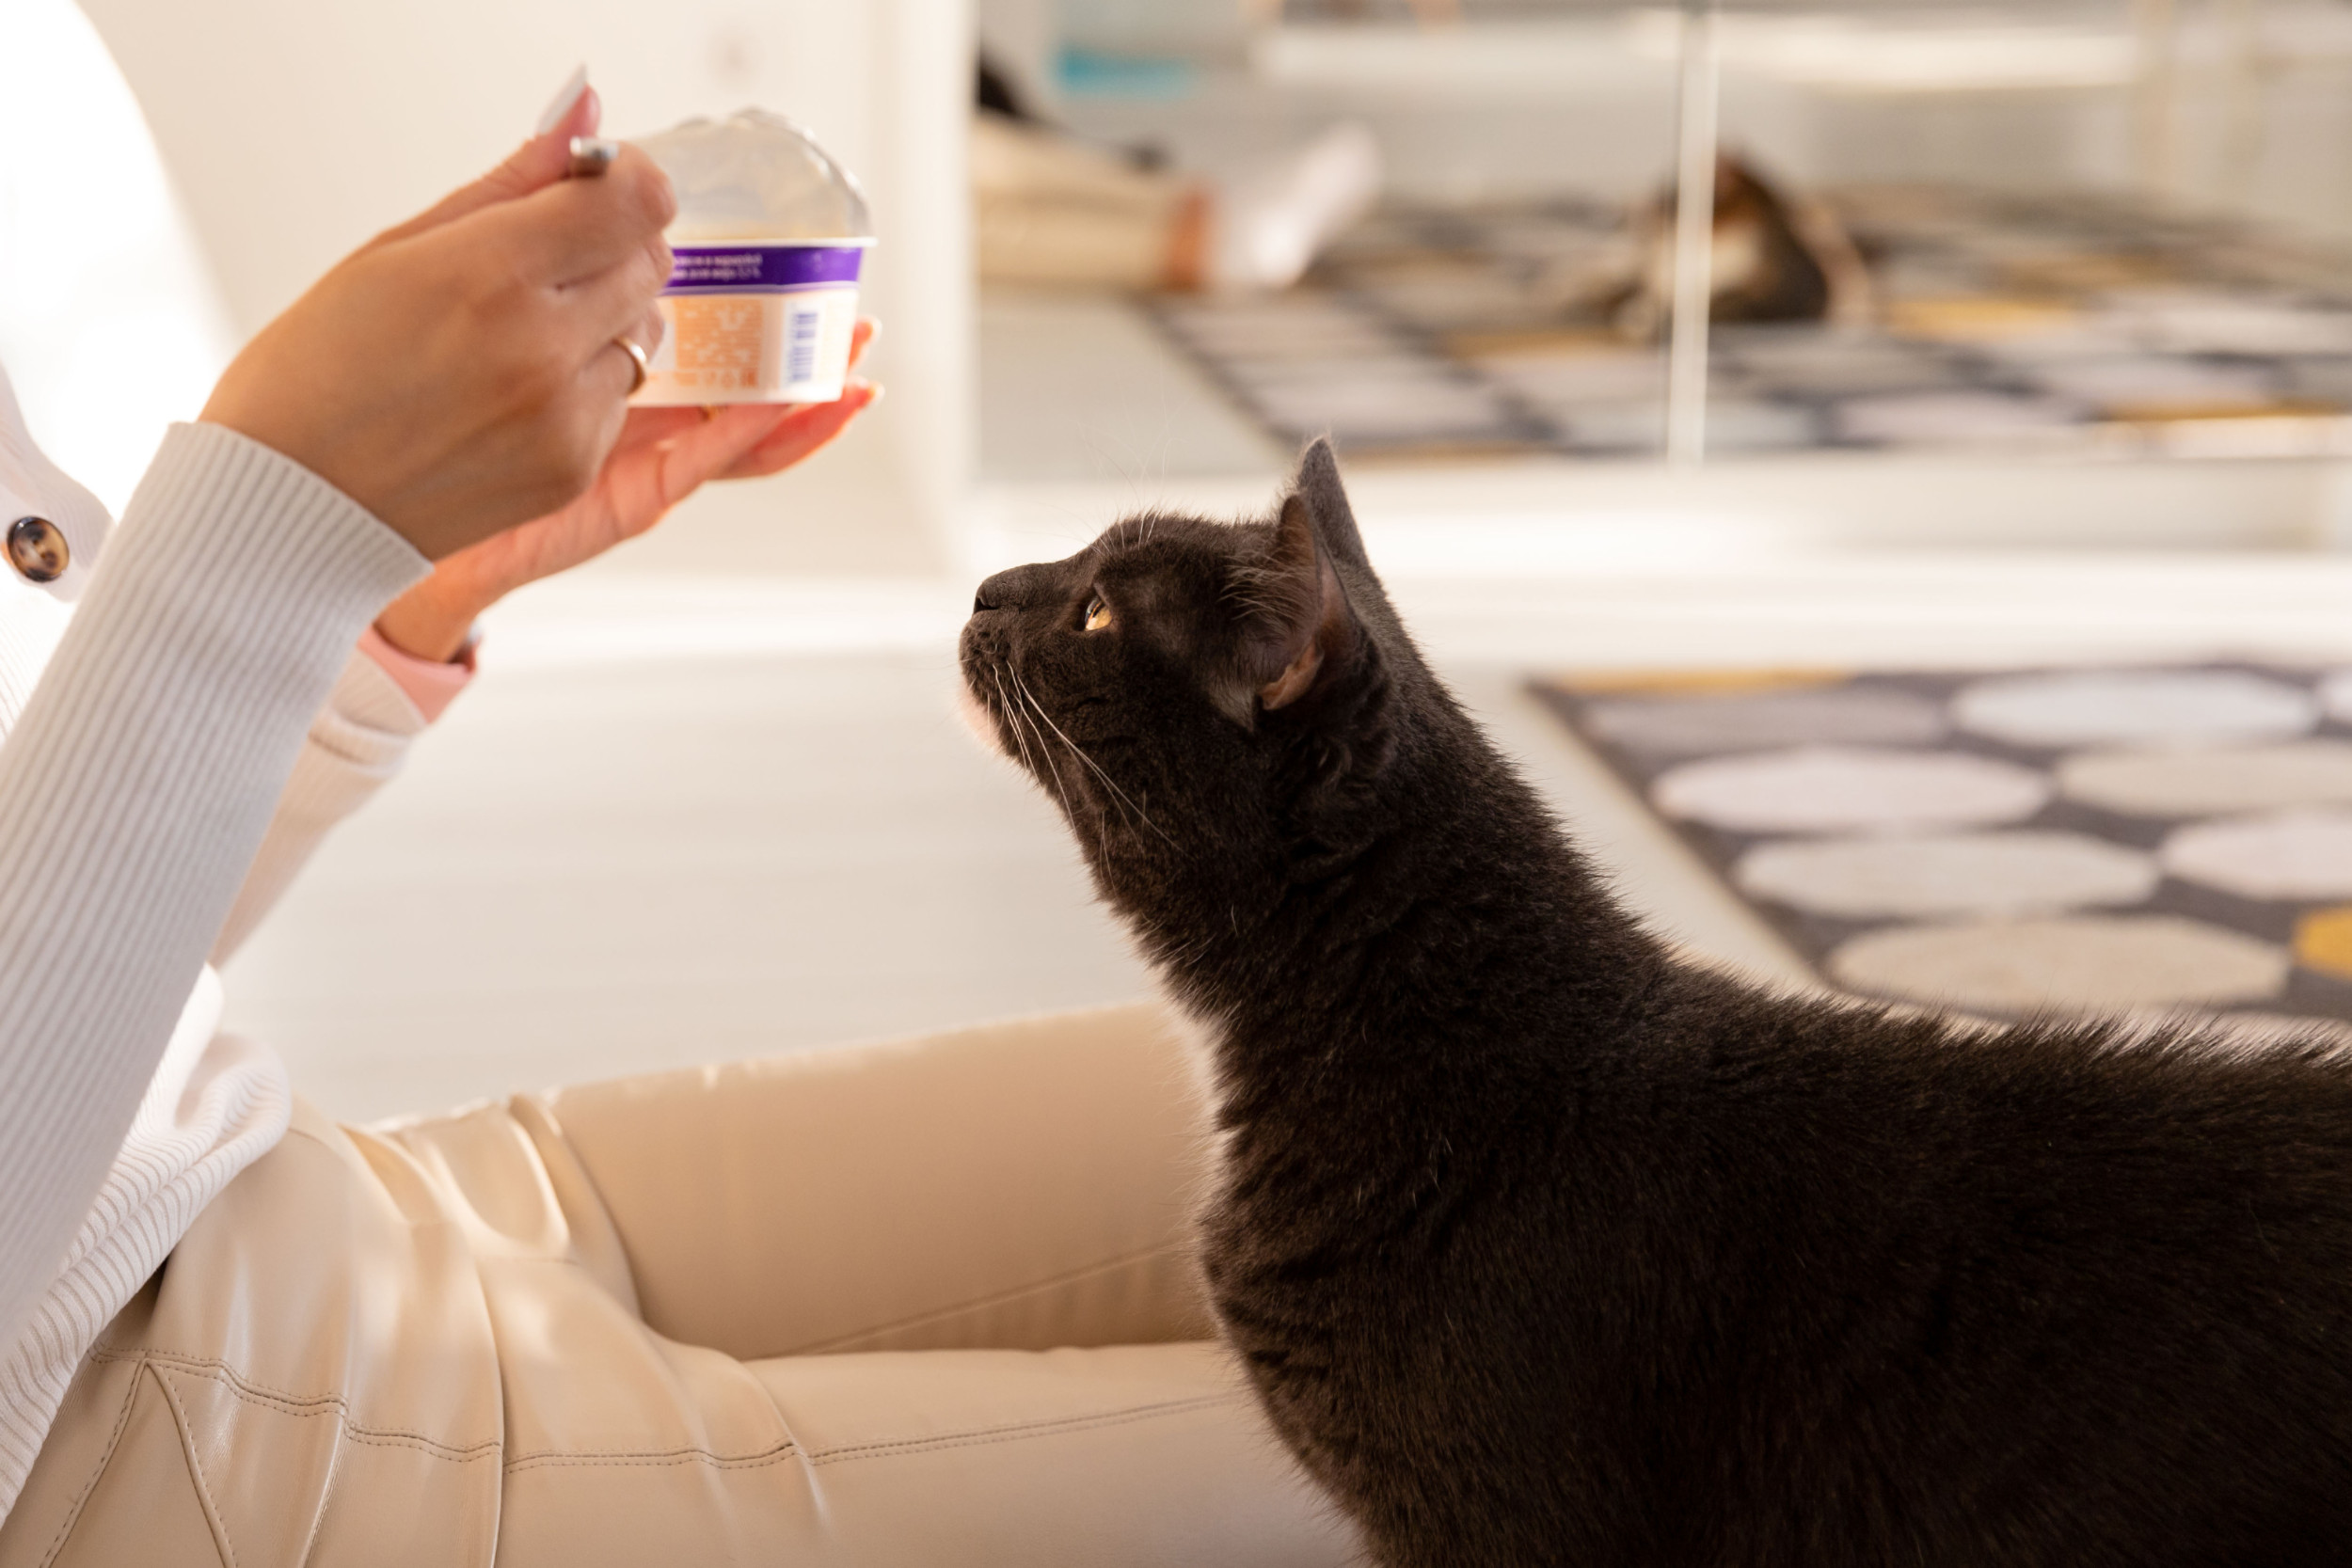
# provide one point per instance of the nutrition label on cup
(756, 323)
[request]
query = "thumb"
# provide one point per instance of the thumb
(537, 164)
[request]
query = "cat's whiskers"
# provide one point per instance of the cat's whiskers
(1013, 717)
(1035, 713)
(1045, 754)
(1052, 769)
(1039, 717)
(1079, 752)
(1042, 761)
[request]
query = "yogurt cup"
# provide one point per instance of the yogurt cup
(769, 241)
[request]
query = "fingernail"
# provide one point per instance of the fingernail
(873, 392)
(561, 103)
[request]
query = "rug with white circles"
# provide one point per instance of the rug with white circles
(1930, 876)
(2210, 780)
(2138, 840)
(1704, 725)
(1832, 788)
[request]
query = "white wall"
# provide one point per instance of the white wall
(296, 128)
(110, 327)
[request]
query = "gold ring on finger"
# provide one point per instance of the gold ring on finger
(640, 365)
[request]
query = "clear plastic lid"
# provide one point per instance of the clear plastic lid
(756, 176)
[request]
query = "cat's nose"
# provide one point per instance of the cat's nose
(1004, 591)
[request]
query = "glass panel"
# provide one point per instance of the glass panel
(2093, 230)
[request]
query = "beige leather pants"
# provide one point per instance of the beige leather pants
(921, 1304)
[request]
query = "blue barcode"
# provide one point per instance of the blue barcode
(800, 354)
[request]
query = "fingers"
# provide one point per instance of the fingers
(537, 164)
(651, 327)
(565, 107)
(619, 304)
(864, 333)
(714, 444)
(644, 333)
(801, 431)
(571, 230)
(611, 373)
(650, 426)
(694, 445)
(598, 420)
(644, 337)
(662, 455)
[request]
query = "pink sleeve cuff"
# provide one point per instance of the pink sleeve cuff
(431, 687)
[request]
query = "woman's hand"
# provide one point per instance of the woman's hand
(663, 456)
(458, 374)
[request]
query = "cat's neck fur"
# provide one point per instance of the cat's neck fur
(1392, 928)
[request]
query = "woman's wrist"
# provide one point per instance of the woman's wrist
(434, 620)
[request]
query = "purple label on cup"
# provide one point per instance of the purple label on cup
(761, 269)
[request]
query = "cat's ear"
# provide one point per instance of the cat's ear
(1301, 627)
(1317, 483)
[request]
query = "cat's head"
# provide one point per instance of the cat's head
(1192, 693)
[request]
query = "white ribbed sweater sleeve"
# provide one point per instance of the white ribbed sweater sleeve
(137, 787)
(356, 744)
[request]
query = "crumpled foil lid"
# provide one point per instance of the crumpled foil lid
(756, 175)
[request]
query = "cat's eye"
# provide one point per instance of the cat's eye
(1097, 615)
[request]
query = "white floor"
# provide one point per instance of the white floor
(708, 800)
(598, 869)
(595, 871)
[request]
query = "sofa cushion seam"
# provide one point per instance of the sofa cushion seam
(996, 1298)
(1018, 1431)
(653, 1457)
(214, 1520)
(106, 1458)
(322, 1405)
(190, 1361)
(978, 1437)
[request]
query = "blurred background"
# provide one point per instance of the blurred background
(1665, 347)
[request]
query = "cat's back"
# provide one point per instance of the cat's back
(2084, 1125)
(2055, 1285)
(2066, 1158)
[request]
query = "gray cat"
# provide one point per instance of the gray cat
(1544, 1247)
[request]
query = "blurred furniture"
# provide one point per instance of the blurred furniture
(2108, 227)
